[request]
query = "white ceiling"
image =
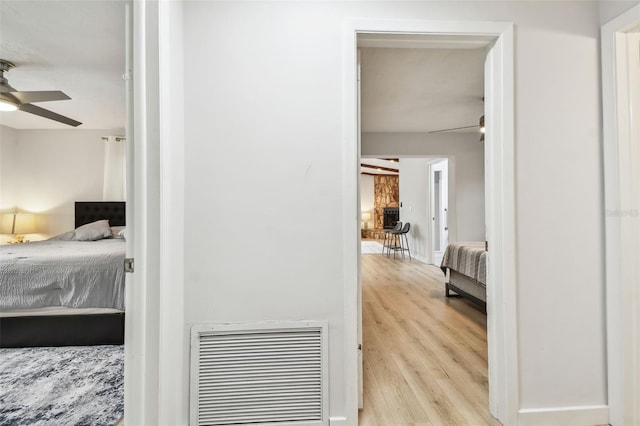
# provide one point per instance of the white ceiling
(412, 89)
(77, 47)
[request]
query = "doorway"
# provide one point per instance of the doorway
(502, 332)
(439, 191)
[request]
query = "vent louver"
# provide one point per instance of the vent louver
(271, 373)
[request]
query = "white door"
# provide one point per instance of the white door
(439, 178)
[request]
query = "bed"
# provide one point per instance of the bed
(63, 292)
(465, 266)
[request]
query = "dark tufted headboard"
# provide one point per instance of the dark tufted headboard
(90, 211)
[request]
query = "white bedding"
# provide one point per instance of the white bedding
(73, 274)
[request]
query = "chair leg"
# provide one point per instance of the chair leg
(395, 243)
(407, 240)
(392, 244)
(387, 239)
(384, 243)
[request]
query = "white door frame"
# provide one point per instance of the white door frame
(622, 223)
(156, 368)
(141, 294)
(441, 165)
(500, 219)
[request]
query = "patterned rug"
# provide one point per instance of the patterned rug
(74, 385)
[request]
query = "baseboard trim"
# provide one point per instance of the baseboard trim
(338, 421)
(420, 259)
(565, 416)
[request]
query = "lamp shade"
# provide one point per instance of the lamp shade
(18, 223)
(366, 216)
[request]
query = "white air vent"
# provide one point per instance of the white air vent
(259, 374)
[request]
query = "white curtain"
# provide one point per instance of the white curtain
(115, 172)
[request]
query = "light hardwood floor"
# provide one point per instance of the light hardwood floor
(425, 356)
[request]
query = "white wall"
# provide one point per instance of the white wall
(52, 170)
(414, 193)
(367, 199)
(263, 85)
(8, 172)
(9, 168)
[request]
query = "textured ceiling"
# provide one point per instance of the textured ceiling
(77, 47)
(421, 89)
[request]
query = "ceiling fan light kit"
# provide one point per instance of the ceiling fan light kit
(7, 106)
(12, 99)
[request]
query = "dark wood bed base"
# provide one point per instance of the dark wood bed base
(451, 287)
(62, 330)
(70, 330)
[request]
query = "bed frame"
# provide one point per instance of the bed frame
(70, 330)
(464, 266)
(466, 287)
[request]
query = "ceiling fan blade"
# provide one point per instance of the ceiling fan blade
(42, 96)
(48, 114)
(454, 128)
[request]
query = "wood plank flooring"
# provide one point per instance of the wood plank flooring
(425, 356)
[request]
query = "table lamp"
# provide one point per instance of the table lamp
(18, 224)
(366, 217)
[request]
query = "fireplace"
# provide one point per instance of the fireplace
(390, 216)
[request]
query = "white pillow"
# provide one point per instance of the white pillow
(123, 234)
(67, 236)
(116, 231)
(93, 231)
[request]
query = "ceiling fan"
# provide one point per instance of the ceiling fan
(12, 99)
(479, 126)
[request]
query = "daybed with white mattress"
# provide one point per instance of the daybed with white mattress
(65, 292)
(465, 266)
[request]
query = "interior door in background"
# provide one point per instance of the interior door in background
(439, 178)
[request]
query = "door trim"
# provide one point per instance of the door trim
(502, 313)
(438, 164)
(621, 226)
(155, 362)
